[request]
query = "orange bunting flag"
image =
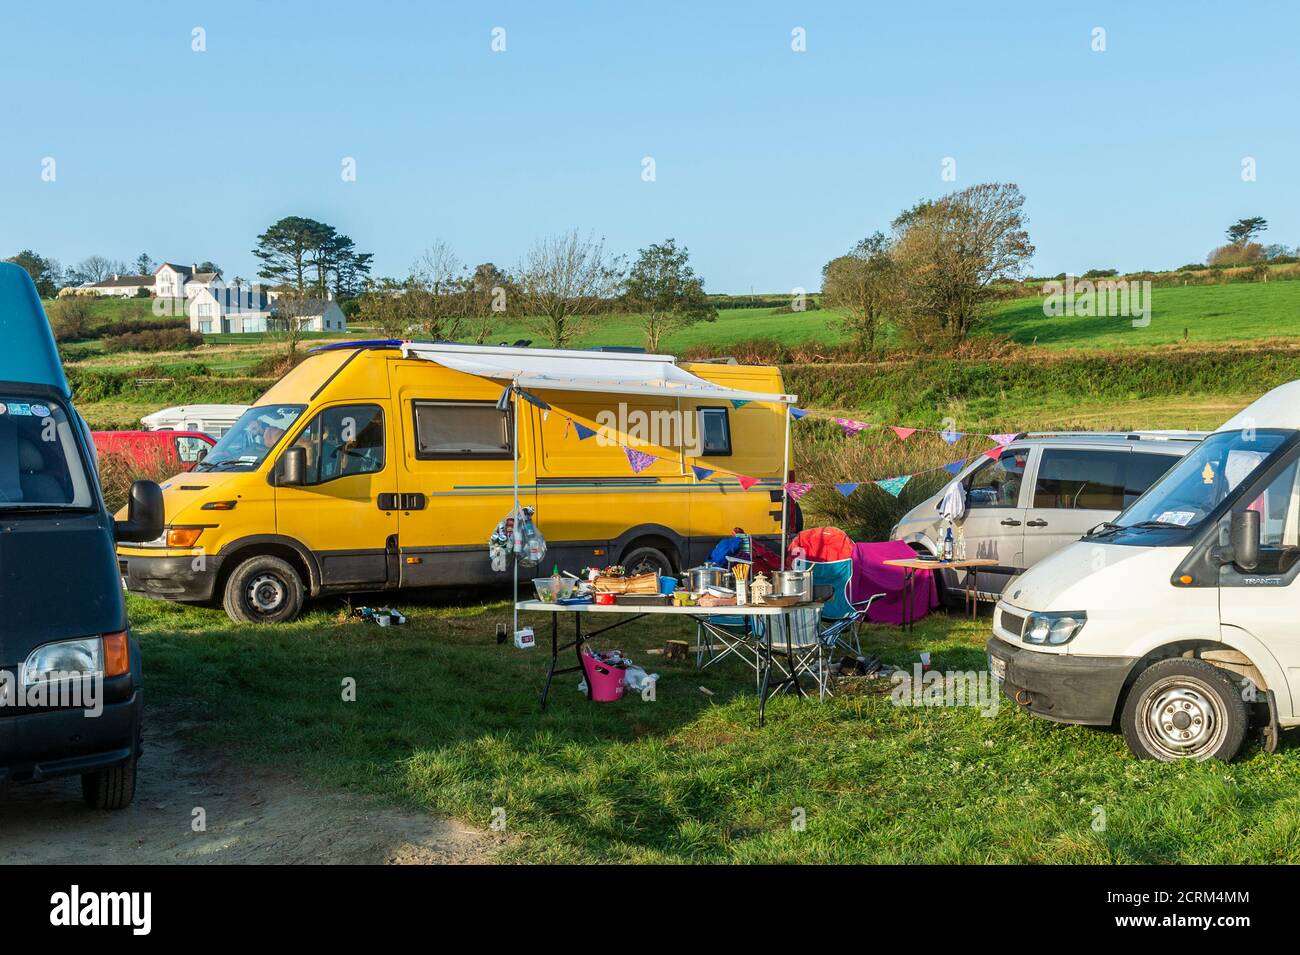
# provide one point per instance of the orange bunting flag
(903, 433)
(994, 453)
(746, 481)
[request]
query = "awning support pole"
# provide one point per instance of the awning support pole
(785, 480)
(514, 390)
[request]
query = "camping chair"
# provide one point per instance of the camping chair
(810, 641)
(734, 632)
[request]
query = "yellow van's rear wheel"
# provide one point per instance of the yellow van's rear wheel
(263, 590)
(1184, 709)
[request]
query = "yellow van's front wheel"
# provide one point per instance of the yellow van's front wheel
(263, 590)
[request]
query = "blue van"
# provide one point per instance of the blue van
(70, 699)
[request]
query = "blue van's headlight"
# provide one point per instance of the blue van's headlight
(1053, 629)
(66, 658)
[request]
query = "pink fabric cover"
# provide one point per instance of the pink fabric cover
(871, 576)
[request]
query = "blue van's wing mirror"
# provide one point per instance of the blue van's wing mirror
(144, 515)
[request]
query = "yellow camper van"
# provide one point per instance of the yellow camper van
(384, 465)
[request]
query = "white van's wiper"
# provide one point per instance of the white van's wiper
(1153, 524)
(1103, 528)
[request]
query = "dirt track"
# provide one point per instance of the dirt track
(253, 815)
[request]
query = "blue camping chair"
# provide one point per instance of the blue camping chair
(813, 638)
(733, 632)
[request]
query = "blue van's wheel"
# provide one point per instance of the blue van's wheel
(110, 788)
(263, 590)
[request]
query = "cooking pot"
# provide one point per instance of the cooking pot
(792, 583)
(700, 579)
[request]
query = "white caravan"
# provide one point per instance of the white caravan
(215, 420)
(1181, 618)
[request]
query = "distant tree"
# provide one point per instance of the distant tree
(45, 273)
(563, 280)
(859, 286)
(1276, 250)
(491, 292)
(94, 269)
(383, 306)
(1235, 253)
(950, 252)
(438, 292)
(1100, 273)
(1243, 231)
(293, 312)
(665, 291)
(288, 248)
(69, 318)
(340, 268)
(208, 267)
(143, 265)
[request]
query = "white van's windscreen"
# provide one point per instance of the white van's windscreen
(1193, 487)
(461, 429)
(40, 466)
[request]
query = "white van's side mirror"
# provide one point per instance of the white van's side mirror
(1243, 538)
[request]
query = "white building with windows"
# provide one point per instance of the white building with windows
(234, 310)
(179, 281)
(120, 286)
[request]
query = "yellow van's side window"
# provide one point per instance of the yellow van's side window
(343, 441)
(461, 429)
(715, 432)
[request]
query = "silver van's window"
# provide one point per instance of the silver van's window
(1085, 479)
(1193, 487)
(250, 440)
(997, 483)
(40, 464)
(461, 429)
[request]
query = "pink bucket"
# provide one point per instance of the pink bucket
(606, 681)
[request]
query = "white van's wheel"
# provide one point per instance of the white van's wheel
(263, 590)
(1184, 709)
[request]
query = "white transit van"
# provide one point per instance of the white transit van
(1180, 618)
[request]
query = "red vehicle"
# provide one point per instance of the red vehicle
(167, 451)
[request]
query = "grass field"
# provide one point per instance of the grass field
(447, 720)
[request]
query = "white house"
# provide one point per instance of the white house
(122, 286)
(179, 281)
(237, 309)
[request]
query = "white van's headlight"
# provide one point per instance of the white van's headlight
(80, 658)
(1053, 629)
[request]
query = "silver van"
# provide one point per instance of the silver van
(1042, 492)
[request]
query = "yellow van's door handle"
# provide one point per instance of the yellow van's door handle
(413, 501)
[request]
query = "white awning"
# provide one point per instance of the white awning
(618, 373)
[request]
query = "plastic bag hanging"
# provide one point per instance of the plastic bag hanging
(516, 536)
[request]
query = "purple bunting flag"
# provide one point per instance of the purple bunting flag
(796, 490)
(639, 460)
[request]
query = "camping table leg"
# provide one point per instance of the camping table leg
(909, 591)
(972, 592)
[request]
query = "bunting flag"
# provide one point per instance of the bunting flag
(702, 474)
(952, 437)
(797, 413)
(583, 431)
(850, 426)
(894, 485)
(639, 460)
(994, 453)
(846, 488)
(739, 403)
(903, 433)
(746, 482)
(955, 466)
(796, 490)
(1003, 439)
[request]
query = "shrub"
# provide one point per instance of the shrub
(165, 339)
(70, 318)
(117, 472)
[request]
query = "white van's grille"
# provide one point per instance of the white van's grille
(1011, 622)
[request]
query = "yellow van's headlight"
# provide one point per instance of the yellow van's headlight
(1053, 629)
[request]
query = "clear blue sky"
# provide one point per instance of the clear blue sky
(769, 162)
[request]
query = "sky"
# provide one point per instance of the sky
(767, 161)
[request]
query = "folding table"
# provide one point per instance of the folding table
(763, 643)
